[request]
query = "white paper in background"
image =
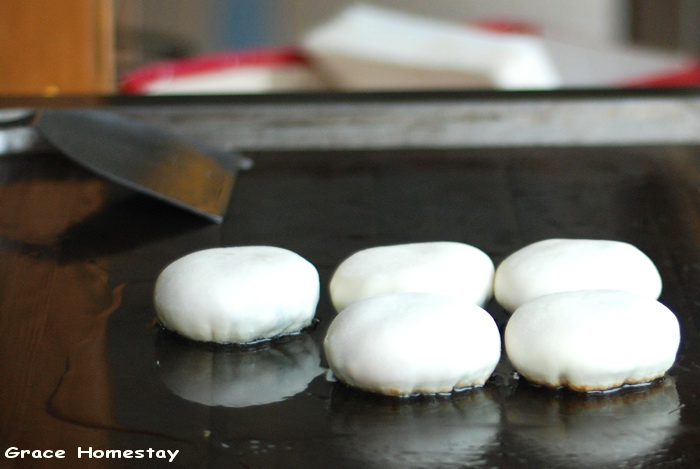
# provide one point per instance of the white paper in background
(370, 47)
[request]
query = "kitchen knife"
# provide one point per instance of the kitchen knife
(145, 158)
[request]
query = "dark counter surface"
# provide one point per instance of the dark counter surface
(85, 366)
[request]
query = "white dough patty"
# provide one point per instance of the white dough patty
(444, 267)
(412, 343)
(592, 340)
(237, 294)
(557, 265)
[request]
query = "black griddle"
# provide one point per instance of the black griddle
(85, 364)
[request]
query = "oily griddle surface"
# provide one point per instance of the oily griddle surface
(85, 365)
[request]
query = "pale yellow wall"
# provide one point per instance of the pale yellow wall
(602, 21)
(589, 20)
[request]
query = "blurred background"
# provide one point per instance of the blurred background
(239, 46)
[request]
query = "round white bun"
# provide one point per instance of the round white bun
(444, 267)
(558, 265)
(592, 340)
(412, 343)
(237, 294)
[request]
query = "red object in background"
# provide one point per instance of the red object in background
(687, 77)
(137, 81)
(507, 27)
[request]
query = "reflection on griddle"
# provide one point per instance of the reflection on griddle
(428, 431)
(566, 429)
(238, 377)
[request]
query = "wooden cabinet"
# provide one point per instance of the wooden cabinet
(51, 48)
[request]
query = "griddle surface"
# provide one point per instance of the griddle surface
(84, 364)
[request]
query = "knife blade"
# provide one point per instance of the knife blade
(144, 158)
